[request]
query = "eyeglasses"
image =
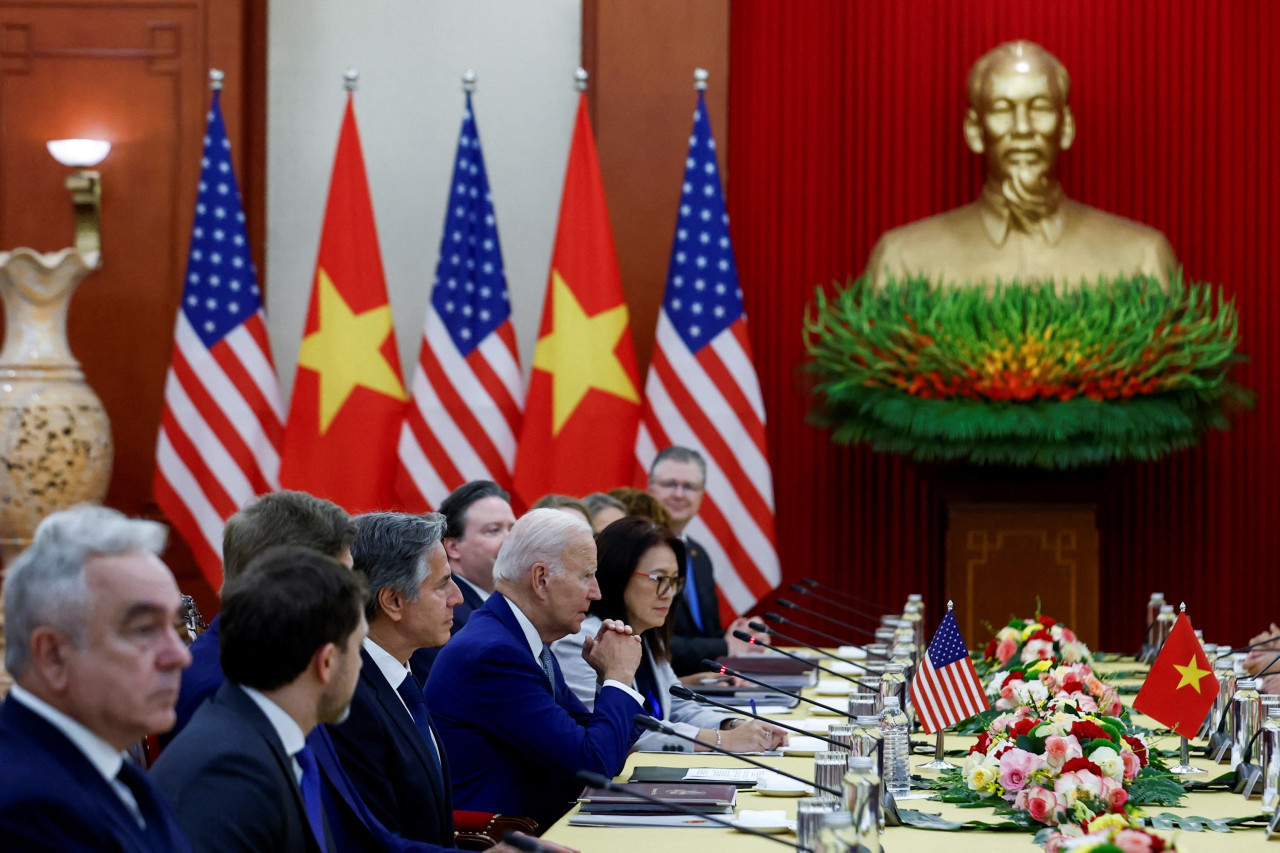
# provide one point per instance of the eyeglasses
(672, 485)
(666, 583)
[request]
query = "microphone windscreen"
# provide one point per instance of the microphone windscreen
(682, 692)
(744, 636)
(758, 626)
(645, 721)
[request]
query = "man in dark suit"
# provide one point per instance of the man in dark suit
(241, 775)
(678, 479)
(90, 613)
(387, 744)
(514, 733)
(478, 517)
(292, 518)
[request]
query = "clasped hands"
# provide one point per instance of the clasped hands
(614, 652)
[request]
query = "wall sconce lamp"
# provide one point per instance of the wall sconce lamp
(85, 185)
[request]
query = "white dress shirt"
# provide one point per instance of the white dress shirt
(459, 579)
(291, 735)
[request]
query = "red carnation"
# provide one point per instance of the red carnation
(1086, 730)
(991, 650)
(1016, 675)
(1082, 764)
(1041, 635)
(1072, 684)
(1047, 622)
(983, 744)
(1138, 748)
(1023, 727)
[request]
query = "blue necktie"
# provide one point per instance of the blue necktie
(310, 785)
(548, 668)
(417, 706)
(691, 592)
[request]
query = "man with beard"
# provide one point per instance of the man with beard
(1022, 226)
(241, 775)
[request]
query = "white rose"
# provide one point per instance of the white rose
(1109, 762)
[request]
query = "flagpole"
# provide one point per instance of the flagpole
(1184, 767)
(938, 763)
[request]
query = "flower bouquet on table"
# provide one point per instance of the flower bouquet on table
(1025, 641)
(1107, 834)
(1040, 681)
(1053, 764)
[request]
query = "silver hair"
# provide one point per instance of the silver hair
(538, 536)
(45, 586)
(391, 550)
(676, 453)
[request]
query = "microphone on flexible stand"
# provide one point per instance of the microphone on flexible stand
(1259, 644)
(804, 590)
(724, 670)
(791, 605)
(744, 636)
(774, 617)
(813, 584)
(681, 692)
(595, 780)
(653, 724)
(765, 629)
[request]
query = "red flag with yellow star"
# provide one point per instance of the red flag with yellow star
(1181, 685)
(583, 406)
(348, 395)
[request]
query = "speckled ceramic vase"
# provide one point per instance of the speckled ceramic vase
(55, 438)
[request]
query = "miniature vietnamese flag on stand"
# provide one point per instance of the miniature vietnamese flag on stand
(1181, 686)
(583, 406)
(348, 395)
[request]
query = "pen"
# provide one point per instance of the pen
(753, 707)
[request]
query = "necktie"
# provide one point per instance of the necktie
(412, 696)
(691, 593)
(310, 785)
(547, 668)
(139, 797)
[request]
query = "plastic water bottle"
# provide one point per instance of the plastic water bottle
(861, 791)
(897, 748)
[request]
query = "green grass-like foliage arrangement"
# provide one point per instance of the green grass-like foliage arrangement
(1024, 375)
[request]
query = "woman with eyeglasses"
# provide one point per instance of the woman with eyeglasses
(640, 569)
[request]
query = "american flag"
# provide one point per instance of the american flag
(702, 391)
(220, 431)
(467, 393)
(946, 688)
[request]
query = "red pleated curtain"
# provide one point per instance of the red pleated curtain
(845, 120)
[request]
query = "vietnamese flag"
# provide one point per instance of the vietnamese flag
(348, 395)
(583, 406)
(1181, 685)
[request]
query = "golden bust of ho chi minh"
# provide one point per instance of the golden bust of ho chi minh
(1022, 227)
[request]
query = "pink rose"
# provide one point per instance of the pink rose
(1042, 805)
(1132, 764)
(1111, 706)
(1112, 793)
(1037, 650)
(1084, 703)
(1132, 841)
(1005, 650)
(1059, 750)
(1068, 636)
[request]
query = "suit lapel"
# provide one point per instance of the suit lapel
(240, 702)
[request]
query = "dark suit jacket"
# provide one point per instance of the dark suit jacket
(421, 660)
(200, 680)
(689, 645)
(515, 744)
(352, 824)
(53, 800)
(229, 779)
(388, 760)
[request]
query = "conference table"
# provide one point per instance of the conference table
(1215, 804)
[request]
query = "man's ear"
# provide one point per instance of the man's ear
(451, 549)
(1068, 134)
(973, 131)
(539, 576)
(391, 603)
(49, 648)
(325, 661)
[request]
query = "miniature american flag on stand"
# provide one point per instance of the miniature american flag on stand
(702, 391)
(467, 393)
(220, 432)
(946, 688)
